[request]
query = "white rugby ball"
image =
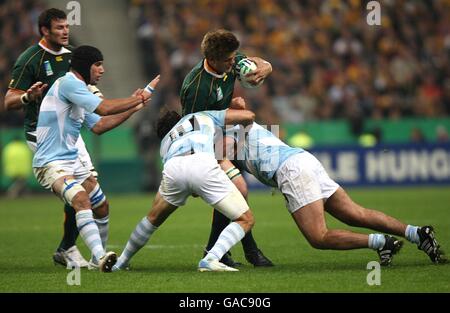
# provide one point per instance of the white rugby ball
(246, 66)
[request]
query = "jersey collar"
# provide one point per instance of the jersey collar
(63, 50)
(209, 70)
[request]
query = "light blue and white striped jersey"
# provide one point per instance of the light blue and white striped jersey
(67, 106)
(264, 153)
(194, 132)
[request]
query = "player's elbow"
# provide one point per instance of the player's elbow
(103, 109)
(98, 129)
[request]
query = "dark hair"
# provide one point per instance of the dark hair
(166, 122)
(218, 44)
(46, 18)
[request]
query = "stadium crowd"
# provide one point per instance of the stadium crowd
(329, 63)
(18, 30)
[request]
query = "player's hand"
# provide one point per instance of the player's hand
(148, 90)
(137, 92)
(36, 91)
(237, 103)
(263, 70)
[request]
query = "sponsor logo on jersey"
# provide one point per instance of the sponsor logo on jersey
(59, 58)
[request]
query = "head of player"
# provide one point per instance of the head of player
(219, 48)
(166, 122)
(87, 61)
(54, 28)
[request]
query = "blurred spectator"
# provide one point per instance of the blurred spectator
(417, 135)
(442, 134)
(18, 30)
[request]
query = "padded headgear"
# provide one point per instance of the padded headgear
(82, 59)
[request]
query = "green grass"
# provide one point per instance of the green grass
(30, 229)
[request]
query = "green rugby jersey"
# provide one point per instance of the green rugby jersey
(202, 91)
(38, 63)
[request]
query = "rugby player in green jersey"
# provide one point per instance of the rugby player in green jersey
(36, 69)
(210, 86)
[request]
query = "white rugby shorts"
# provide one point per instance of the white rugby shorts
(302, 180)
(200, 174)
(47, 175)
(83, 154)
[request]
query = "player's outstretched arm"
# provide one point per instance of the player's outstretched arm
(239, 117)
(115, 106)
(15, 99)
(107, 123)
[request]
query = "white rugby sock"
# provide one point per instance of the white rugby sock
(230, 236)
(89, 232)
(376, 241)
(139, 237)
(411, 234)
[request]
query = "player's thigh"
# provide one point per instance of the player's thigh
(342, 207)
(310, 220)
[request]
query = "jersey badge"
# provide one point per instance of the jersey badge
(48, 68)
(219, 94)
(59, 58)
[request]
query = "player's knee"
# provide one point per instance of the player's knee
(246, 220)
(74, 194)
(102, 211)
(81, 201)
(317, 240)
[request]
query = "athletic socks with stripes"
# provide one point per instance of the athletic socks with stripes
(88, 230)
(138, 239)
(230, 236)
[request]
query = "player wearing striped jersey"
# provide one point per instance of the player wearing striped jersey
(210, 86)
(34, 72)
(309, 192)
(67, 106)
(191, 168)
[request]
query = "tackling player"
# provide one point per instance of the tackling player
(310, 192)
(190, 167)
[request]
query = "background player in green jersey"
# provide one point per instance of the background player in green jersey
(36, 69)
(210, 86)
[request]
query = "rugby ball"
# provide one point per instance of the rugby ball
(246, 66)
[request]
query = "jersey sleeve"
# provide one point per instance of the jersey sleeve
(22, 75)
(90, 119)
(218, 117)
(77, 93)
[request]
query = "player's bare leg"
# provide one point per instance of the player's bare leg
(342, 207)
(100, 208)
(161, 210)
(252, 253)
(74, 193)
(310, 220)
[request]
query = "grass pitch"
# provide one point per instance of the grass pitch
(30, 229)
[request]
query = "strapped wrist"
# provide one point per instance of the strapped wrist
(24, 98)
